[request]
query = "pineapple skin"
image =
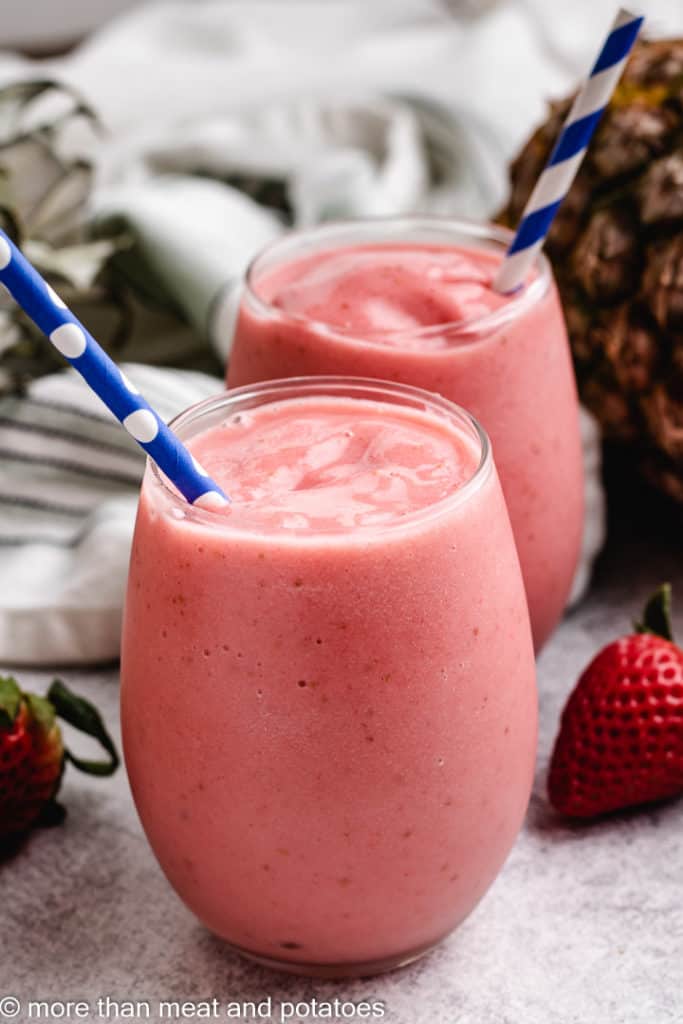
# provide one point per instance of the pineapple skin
(616, 247)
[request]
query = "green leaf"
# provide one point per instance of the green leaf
(58, 209)
(79, 265)
(10, 701)
(44, 189)
(18, 101)
(83, 716)
(41, 710)
(31, 168)
(657, 614)
(15, 98)
(9, 221)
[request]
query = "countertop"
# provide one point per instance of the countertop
(583, 926)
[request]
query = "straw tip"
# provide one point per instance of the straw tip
(631, 19)
(211, 500)
(503, 288)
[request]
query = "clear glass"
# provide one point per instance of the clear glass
(511, 368)
(330, 737)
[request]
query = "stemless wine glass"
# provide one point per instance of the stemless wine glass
(329, 733)
(510, 367)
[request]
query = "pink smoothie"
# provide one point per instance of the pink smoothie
(328, 698)
(426, 314)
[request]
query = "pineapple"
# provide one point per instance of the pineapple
(617, 252)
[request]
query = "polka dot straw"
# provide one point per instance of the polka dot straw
(42, 304)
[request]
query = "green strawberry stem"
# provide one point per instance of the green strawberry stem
(657, 614)
(41, 710)
(83, 716)
(10, 701)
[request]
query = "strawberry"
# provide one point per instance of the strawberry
(621, 734)
(32, 752)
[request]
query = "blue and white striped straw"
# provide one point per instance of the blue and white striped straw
(558, 174)
(69, 336)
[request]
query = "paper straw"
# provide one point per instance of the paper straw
(69, 336)
(558, 174)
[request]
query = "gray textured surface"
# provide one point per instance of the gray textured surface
(584, 926)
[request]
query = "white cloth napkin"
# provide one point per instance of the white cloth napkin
(352, 110)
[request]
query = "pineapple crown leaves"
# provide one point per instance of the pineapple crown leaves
(60, 701)
(657, 614)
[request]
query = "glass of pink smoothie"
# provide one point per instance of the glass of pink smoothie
(328, 689)
(410, 300)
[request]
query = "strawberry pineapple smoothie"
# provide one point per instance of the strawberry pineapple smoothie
(328, 694)
(412, 301)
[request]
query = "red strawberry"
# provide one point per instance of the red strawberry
(32, 753)
(621, 733)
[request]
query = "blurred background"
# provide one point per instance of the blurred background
(42, 26)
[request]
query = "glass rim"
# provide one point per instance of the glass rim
(395, 227)
(345, 386)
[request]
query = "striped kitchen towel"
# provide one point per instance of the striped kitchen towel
(69, 480)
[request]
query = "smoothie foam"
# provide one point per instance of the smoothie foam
(387, 293)
(322, 465)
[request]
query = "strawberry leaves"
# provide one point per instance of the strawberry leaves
(82, 715)
(620, 742)
(33, 756)
(10, 701)
(657, 614)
